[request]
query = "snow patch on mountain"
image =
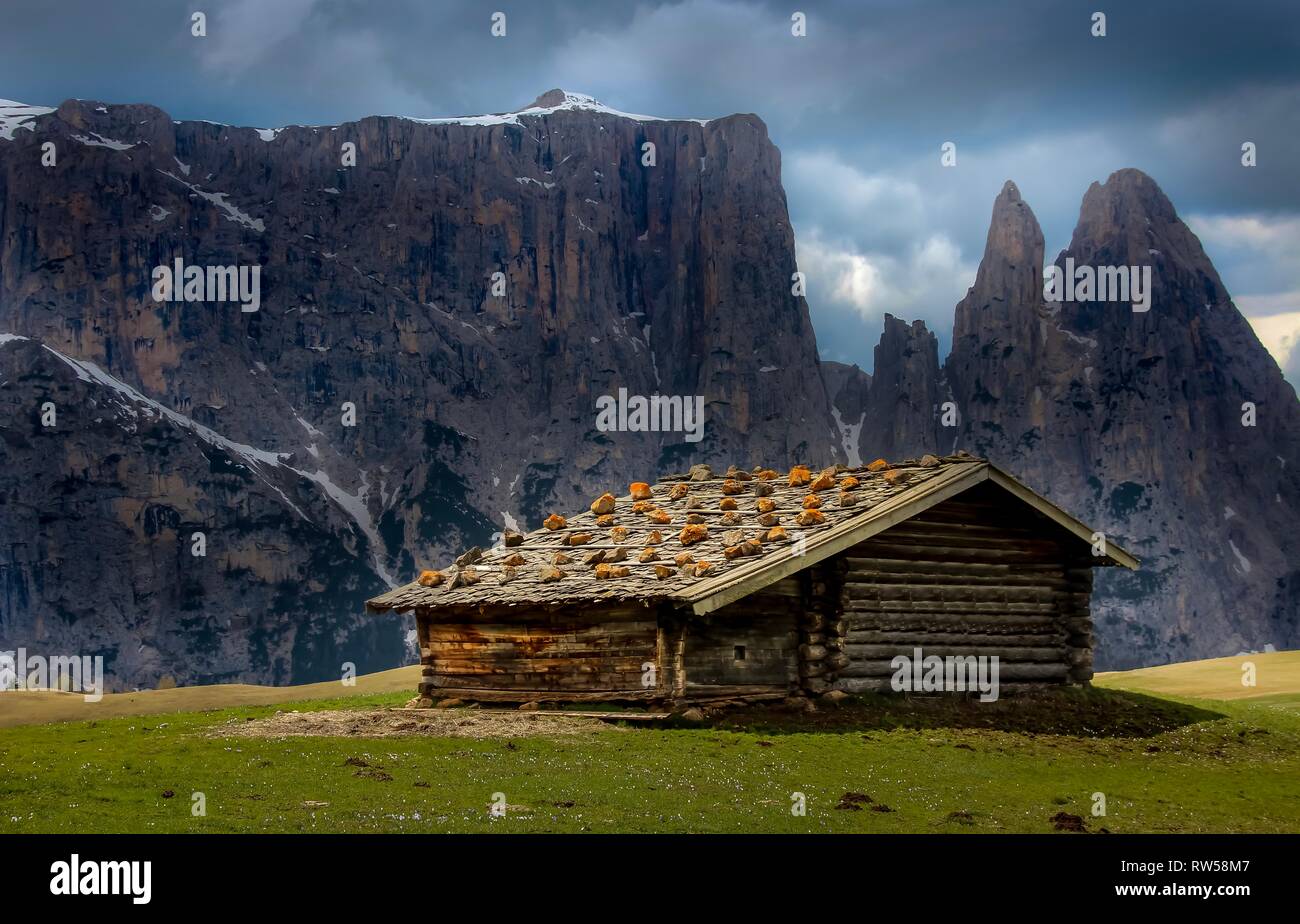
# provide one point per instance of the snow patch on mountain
(571, 102)
(14, 115)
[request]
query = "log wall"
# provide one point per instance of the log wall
(977, 575)
(571, 650)
(981, 574)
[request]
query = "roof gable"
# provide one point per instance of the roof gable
(727, 588)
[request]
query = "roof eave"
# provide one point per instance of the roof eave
(1113, 555)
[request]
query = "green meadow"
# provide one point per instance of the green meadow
(1162, 763)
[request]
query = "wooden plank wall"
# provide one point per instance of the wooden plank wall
(765, 623)
(977, 575)
(600, 649)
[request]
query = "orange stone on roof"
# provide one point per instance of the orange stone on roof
(555, 521)
(603, 504)
(825, 480)
(693, 533)
(879, 465)
(430, 578)
(640, 491)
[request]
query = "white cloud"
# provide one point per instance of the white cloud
(1273, 303)
(869, 244)
(925, 282)
(878, 210)
(1280, 334)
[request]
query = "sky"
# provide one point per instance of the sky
(859, 107)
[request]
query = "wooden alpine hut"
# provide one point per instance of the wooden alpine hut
(756, 584)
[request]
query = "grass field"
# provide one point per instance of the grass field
(1172, 749)
(31, 708)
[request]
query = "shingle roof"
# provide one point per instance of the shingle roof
(746, 520)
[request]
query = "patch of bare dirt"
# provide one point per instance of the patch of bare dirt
(393, 723)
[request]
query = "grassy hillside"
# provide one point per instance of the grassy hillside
(1164, 763)
(1276, 674)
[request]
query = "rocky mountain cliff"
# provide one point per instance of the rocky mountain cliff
(1133, 420)
(436, 324)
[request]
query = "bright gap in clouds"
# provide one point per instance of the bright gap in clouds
(867, 245)
(1280, 334)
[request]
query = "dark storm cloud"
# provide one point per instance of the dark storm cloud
(859, 107)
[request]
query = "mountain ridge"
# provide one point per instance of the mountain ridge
(430, 403)
(1128, 418)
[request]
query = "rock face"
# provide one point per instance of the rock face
(437, 325)
(131, 532)
(909, 389)
(1132, 420)
(848, 388)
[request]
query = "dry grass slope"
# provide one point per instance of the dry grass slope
(1276, 674)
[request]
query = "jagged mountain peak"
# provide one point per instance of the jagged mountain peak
(894, 325)
(1135, 420)
(1130, 205)
(1128, 183)
(1014, 227)
(1009, 278)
